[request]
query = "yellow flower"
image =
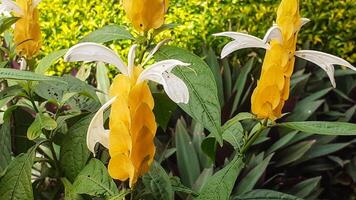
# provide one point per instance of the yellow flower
(132, 125)
(27, 33)
(273, 88)
(146, 14)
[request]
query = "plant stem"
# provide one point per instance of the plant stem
(254, 137)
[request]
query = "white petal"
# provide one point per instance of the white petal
(88, 51)
(241, 41)
(96, 132)
(157, 69)
(9, 6)
(131, 59)
(154, 50)
(36, 2)
(304, 21)
(325, 61)
(175, 88)
(273, 33)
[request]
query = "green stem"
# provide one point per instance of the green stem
(253, 139)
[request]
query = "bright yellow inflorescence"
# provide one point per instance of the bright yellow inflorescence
(132, 128)
(146, 14)
(27, 33)
(273, 87)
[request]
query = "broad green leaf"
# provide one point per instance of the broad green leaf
(13, 74)
(243, 116)
(322, 128)
(42, 121)
(294, 152)
(281, 142)
(179, 187)
(209, 146)
(158, 183)
(94, 180)
(103, 82)
(163, 110)
(203, 178)
(265, 195)
(74, 152)
(198, 138)
(49, 60)
(68, 191)
(213, 63)
(5, 142)
(241, 83)
(187, 159)
(233, 133)
(163, 28)
(220, 185)
(304, 111)
(16, 183)
(203, 104)
(107, 34)
(250, 180)
(6, 23)
(305, 188)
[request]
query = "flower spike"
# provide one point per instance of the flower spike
(89, 52)
(96, 132)
(241, 41)
(324, 61)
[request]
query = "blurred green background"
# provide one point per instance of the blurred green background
(332, 30)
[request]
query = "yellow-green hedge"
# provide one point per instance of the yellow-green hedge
(65, 22)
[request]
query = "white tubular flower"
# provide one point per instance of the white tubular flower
(96, 131)
(324, 61)
(10, 6)
(241, 41)
(159, 72)
(273, 33)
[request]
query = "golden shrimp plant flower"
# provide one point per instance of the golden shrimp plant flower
(27, 33)
(273, 87)
(132, 125)
(146, 14)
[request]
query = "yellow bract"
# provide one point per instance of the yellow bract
(146, 14)
(272, 89)
(132, 128)
(27, 33)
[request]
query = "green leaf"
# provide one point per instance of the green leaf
(265, 195)
(187, 159)
(322, 150)
(13, 74)
(322, 128)
(204, 105)
(220, 185)
(163, 110)
(294, 152)
(5, 142)
(94, 180)
(16, 184)
(107, 34)
(198, 138)
(158, 183)
(68, 191)
(103, 82)
(6, 23)
(213, 63)
(203, 178)
(163, 28)
(74, 152)
(208, 146)
(241, 83)
(250, 180)
(49, 60)
(233, 133)
(179, 187)
(305, 188)
(282, 142)
(304, 111)
(42, 121)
